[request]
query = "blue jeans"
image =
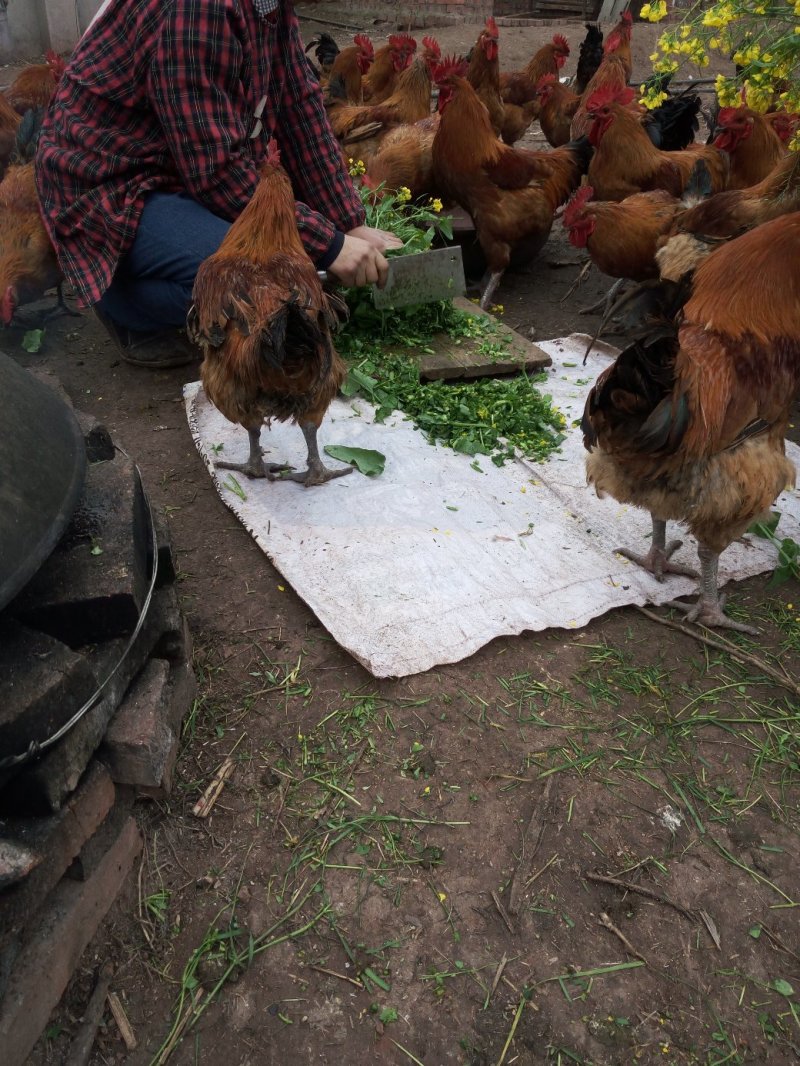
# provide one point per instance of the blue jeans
(152, 287)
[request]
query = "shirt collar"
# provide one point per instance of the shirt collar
(266, 7)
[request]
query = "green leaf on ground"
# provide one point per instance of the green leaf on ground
(365, 460)
(32, 341)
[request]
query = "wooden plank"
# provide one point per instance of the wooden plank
(464, 360)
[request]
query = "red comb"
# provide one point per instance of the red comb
(432, 45)
(273, 153)
(575, 208)
(364, 43)
(627, 18)
(607, 94)
(544, 81)
(491, 26)
(449, 65)
(55, 62)
(402, 42)
(727, 115)
(561, 43)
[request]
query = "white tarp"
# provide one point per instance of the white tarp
(430, 561)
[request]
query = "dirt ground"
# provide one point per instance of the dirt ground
(407, 871)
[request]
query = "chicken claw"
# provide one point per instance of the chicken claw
(708, 608)
(255, 466)
(657, 561)
(317, 473)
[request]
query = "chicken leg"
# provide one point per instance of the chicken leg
(605, 302)
(255, 465)
(317, 473)
(491, 288)
(657, 559)
(708, 608)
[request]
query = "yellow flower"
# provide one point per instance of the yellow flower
(442, 896)
(797, 7)
(727, 91)
(497, 309)
(654, 12)
(436, 205)
(652, 99)
(794, 143)
(357, 168)
(403, 194)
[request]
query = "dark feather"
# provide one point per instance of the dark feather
(589, 58)
(673, 125)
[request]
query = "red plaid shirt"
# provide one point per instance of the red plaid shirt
(161, 94)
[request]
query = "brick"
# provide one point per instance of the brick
(81, 598)
(16, 861)
(58, 840)
(55, 775)
(139, 746)
(42, 684)
(66, 925)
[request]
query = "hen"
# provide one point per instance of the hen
(404, 159)
(691, 427)
(618, 42)
(611, 76)
(362, 128)
(264, 322)
(751, 142)
(557, 107)
(35, 84)
(626, 161)
(511, 193)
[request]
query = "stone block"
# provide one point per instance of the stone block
(65, 926)
(47, 782)
(99, 445)
(42, 684)
(58, 840)
(140, 747)
(93, 585)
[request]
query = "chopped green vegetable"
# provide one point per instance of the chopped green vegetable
(32, 341)
(366, 460)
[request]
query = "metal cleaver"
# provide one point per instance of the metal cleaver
(421, 278)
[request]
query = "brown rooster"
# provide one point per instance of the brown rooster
(751, 142)
(390, 61)
(626, 161)
(35, 84)
(784, 123)
(264, 323)
(621, 237)
(519, 86)
(349, 68)
(509, 120)
(618, 42)
(696, 231)
(557, 107)
(511, 193)
(692, 427)
(610, 75)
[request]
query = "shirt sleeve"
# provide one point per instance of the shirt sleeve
(200, 102)
(310, 152)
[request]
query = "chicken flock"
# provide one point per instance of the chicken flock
(689, 421)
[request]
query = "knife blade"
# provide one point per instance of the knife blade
(421, 278)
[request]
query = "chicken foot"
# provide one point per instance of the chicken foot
(255, 465)
(708, 608)
(491, 288)
(606, 302)
(317, 473)
(657, 561)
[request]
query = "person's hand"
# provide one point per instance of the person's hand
(378, 238)
(360, 262)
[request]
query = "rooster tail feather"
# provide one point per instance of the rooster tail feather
(699, 186)
(582, 151)
(664, 429)
(28, 135)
